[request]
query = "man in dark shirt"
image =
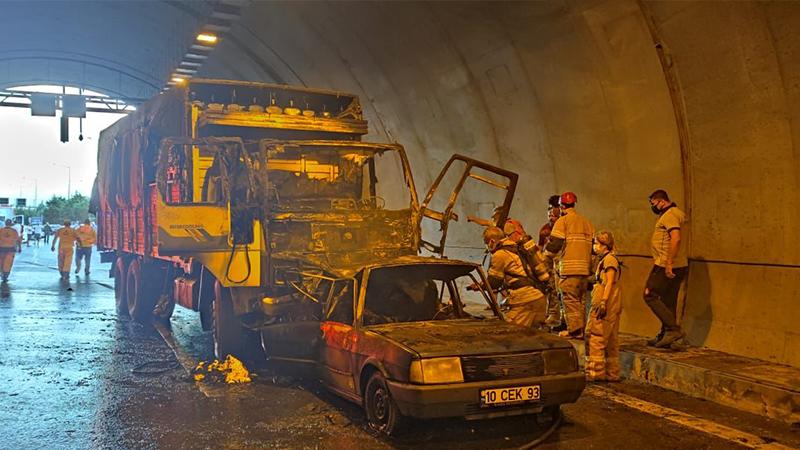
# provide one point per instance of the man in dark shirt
(553, 302)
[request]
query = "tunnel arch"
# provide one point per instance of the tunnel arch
(130, 85)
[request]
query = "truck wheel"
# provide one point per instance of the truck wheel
(164, 301)
(164, 307)
(226, 327)
(139, 296)
(120, 290)
(383, 415)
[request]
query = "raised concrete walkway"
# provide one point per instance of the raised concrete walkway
(746, 384)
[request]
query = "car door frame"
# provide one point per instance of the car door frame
(336, 355)
(309, 358)
(447, 215)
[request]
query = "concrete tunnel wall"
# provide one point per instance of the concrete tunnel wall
(573, 96)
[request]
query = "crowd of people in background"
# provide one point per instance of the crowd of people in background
(545, 281)
(70, 241)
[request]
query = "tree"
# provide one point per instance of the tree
(59, 209)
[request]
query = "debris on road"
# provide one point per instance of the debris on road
(232, 371)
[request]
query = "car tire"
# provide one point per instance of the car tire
(383, 415)
(139, 295)
(120, 289)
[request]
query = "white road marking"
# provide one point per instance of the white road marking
(696, 423)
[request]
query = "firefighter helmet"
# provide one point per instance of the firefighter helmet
(568, 198)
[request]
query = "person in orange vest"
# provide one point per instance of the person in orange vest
(66, 238)
(86, 239)
(527, 304)
(9, 239)
(602, 328)
(571, 242)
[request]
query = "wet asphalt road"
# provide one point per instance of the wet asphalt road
(68, 379)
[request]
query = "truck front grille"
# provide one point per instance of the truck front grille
(500, 367)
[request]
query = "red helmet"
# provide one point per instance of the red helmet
(568, 198)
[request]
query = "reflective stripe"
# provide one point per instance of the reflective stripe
(577, 232)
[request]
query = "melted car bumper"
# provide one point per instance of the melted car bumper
(463, 399)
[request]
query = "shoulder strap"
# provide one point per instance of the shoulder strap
(602, 266)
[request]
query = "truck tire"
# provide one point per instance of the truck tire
(226, 327)
(139, 295)
(161, 278)
(383, 415)
(120, 289)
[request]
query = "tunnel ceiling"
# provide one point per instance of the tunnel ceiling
(126, 49)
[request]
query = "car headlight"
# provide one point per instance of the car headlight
(436, 370)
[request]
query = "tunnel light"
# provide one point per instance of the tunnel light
(207, 38)
(178, 80)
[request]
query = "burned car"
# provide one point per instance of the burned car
(404, 338)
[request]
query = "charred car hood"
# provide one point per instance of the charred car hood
(465, 337)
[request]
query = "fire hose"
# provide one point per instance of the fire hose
(553, 427)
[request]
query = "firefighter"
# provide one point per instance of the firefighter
(19, 228)
(670, 265)
(86, 239)
(571, 241)
(553, 301)
(9, 239)
(553, 213)
(602, 328)
(66, 238)
(527, 304)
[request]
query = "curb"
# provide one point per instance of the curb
(726, 388)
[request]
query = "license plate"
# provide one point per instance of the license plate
(510, 395)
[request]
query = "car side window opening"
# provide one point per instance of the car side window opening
(341, 304)
(420, 293)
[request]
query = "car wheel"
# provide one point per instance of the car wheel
(120, 294)
(383, 415)
(139, 296)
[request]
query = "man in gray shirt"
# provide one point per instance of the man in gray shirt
(670, 266)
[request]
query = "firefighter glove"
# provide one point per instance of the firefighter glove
(600, 309)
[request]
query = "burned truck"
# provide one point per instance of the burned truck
(260, 207)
